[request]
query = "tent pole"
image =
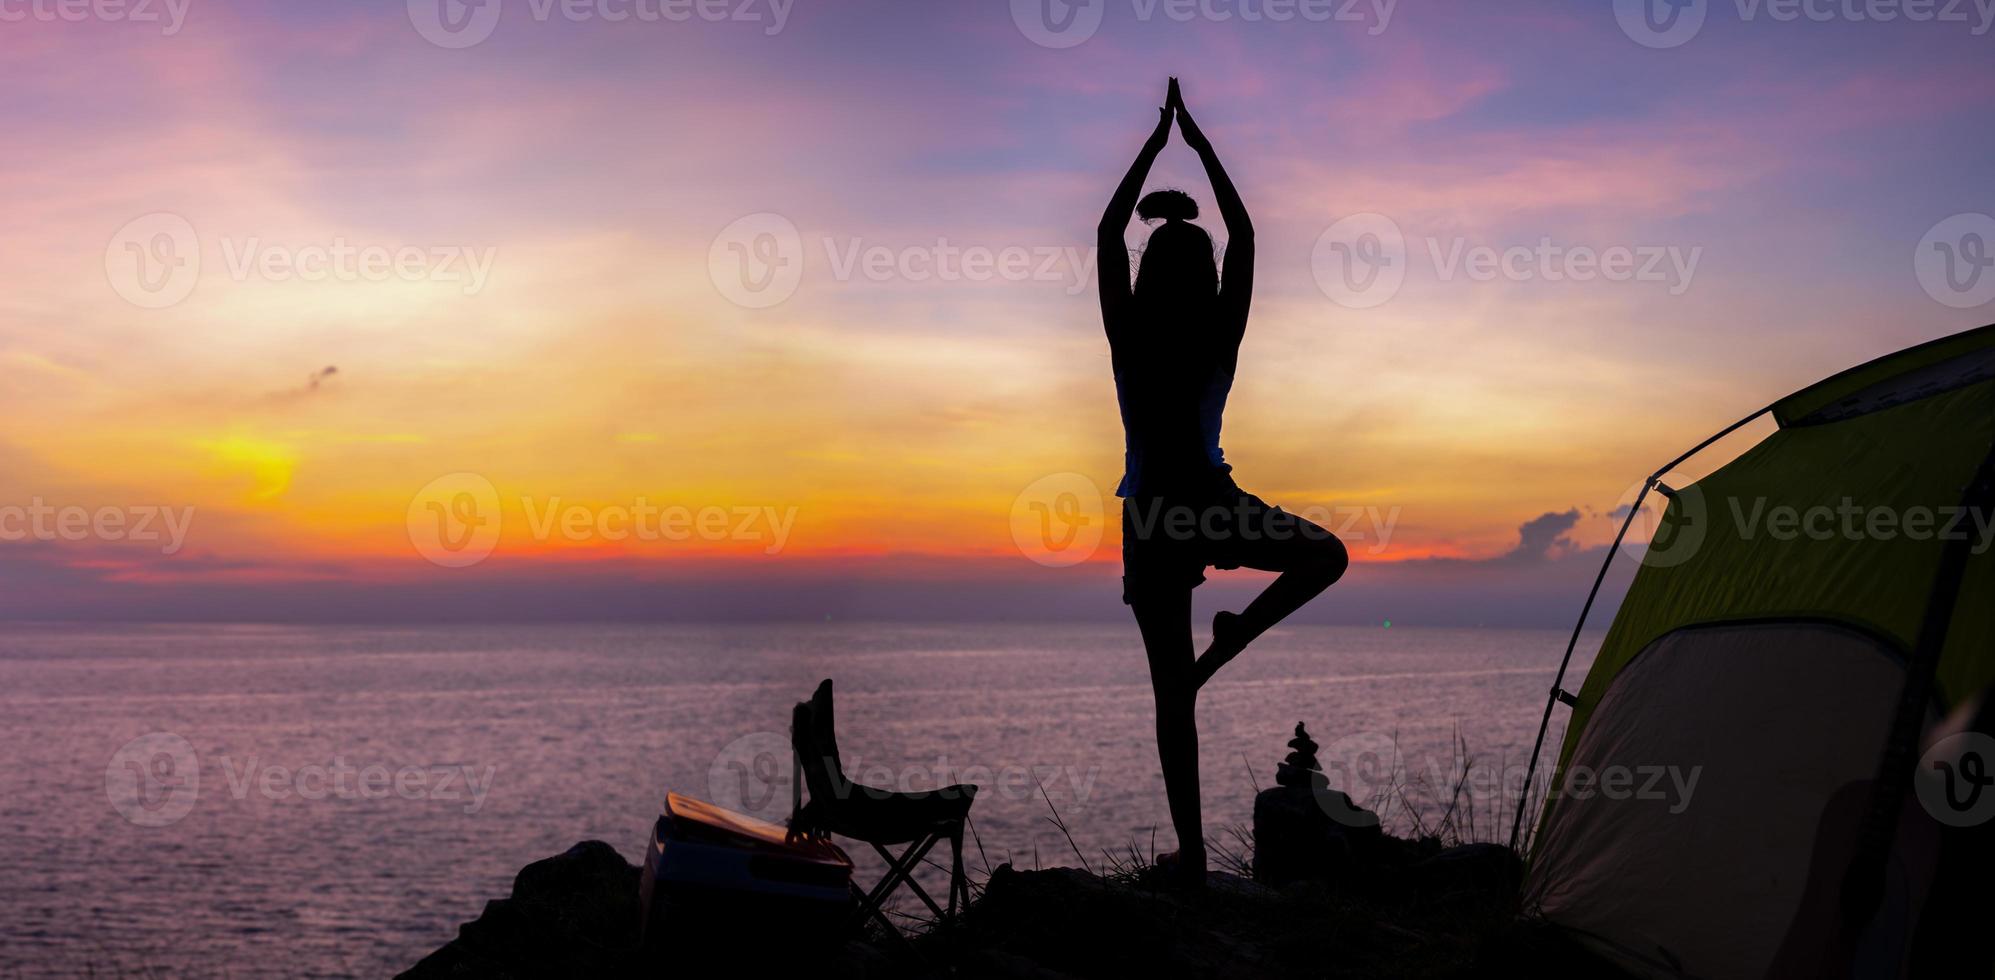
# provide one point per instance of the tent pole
(1558, 683)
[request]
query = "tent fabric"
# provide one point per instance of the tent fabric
(1905, 467)
(1694, 863)
(1769, 627)
(1902, 368)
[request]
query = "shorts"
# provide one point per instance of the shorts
(1167, 543)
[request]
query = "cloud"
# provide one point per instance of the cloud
(1543, 538)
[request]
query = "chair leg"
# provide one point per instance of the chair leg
(910, 860)
(898, 870)
(957, 887)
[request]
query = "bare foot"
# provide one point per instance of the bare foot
(1226, 644)
(1183, 867)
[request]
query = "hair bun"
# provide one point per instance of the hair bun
(1168, 205)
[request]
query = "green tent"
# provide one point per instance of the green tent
(1736, 791)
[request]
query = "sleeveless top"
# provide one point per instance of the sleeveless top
(1170, 440)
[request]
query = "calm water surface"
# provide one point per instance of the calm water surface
(334, 801)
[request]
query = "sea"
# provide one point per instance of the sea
(311, 801)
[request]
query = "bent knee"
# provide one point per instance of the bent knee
(1329, 559)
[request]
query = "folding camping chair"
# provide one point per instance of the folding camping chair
(874, 816)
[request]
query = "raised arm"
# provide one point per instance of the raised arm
(1111, 254)
(1236, 281)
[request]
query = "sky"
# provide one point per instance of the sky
(629, 309)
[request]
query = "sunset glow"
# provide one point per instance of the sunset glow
(528, 292)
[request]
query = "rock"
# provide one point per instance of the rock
(1302, 833)
(990, 964)
(1402, 908)
(1067, 921)
(1469, 872)
(1305, 830)
(1301, 768)
(574, 914)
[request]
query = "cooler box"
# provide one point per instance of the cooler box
(715, 879)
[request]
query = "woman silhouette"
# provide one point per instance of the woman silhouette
(1174, 340)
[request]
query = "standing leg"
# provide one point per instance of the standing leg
(1165, 619)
